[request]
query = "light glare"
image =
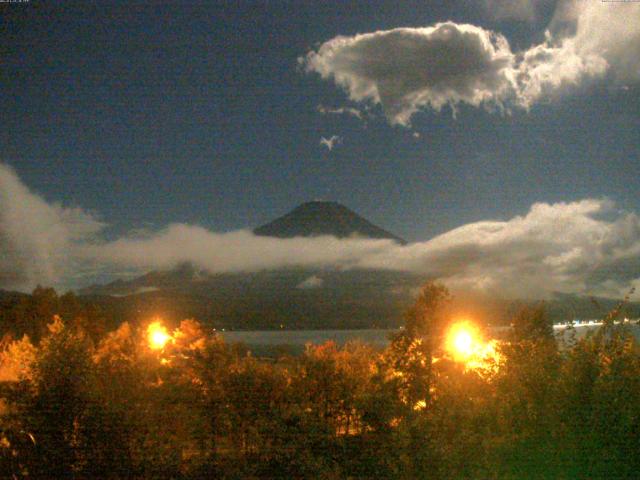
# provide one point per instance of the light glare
(158, 336)
(465, 344)
(462, 340)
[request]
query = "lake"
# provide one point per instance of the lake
(293, 341)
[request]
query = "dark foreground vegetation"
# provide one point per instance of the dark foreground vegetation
(80, 401)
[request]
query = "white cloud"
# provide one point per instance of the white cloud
(604, 40)
(610, 30)
(37, 239)
(354, 112)
(579, 247)
(408, 69)
(330, 143)
(312, 282)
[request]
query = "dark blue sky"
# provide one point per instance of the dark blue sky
(149, 113)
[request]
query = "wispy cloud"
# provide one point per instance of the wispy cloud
(408, 69)
(354, 112)
(330, 143)
(309, 283)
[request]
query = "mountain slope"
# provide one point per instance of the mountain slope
(297, 298)
(323, 218)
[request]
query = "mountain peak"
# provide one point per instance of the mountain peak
(319, 217)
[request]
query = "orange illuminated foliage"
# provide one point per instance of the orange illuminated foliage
(464, 343)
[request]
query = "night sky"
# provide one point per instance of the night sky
(148, 113)
(226, 115)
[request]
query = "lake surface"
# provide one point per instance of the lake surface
(377, 337)
(295, 340)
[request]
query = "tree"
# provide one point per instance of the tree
(73, 430)
(532, 324)
(410, 353)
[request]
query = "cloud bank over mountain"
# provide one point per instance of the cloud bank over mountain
(576, 247)
(554, 247)
(38, 241)
(408, 69)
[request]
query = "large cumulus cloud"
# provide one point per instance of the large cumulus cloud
(406, 69)
(585, 247)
